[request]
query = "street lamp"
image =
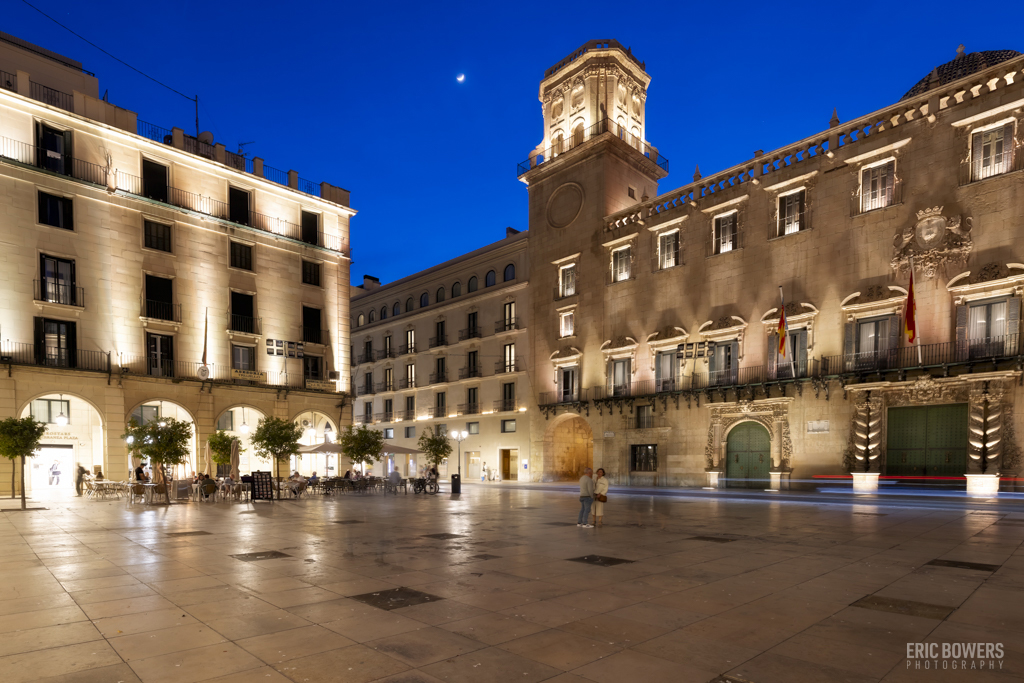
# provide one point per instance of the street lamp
(61, 418)
(459, 438)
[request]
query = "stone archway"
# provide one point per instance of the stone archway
(748, 455)
(317, 428)
(239, 421)
(568, 448)
(154, 409)
(74, 436)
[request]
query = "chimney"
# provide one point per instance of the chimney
(510, 231)
(371, 283)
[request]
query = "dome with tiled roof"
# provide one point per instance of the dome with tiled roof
(963, 65)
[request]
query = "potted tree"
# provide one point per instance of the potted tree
(165, 443)
(276, 439)
(19, 439)
(435, 445)
(220, 447)
(361, 444)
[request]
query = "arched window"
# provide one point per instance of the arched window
(471, 287)
(408, 305)
(396, 310)
(439, 297)
(372, 314)
(456, 289)
(557, 143)
(577, 135)
(384, 313)
(424, 300)
(510, 272)
(361, 320)
(488, 281)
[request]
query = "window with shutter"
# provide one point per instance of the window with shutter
(991, 151)
(876, 187)
(791, 213)
(668, 250)
(724, 235)
(567, 276)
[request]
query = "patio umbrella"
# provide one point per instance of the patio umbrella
(398, 450)
(209, 461)
(236, 448)
(321, 448)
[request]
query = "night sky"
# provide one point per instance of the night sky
(364, 95)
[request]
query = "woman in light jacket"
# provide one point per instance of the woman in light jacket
(600, 489)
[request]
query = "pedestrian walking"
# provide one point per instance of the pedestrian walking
(80, 479)
(600, 497)
(586, 499)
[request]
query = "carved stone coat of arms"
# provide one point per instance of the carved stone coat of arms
(933, 241)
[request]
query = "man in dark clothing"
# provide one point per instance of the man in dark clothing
(80, 479)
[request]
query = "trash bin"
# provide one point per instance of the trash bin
(456, 484)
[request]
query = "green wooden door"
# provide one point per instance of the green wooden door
(927, 441)
(748, 456)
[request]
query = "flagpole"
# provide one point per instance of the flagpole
(917, 332)
(785, 331)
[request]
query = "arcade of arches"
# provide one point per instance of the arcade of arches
(568, 448)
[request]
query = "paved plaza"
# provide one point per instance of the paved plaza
(501, 585)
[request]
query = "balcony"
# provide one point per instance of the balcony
(385, 417)
(550, 398)
(406, 349)
(245, 324)
(314, 335)
(466, 373)
(16, 353)
(436, 342)
(469, 409)
(645, 422)
(364, 358)
(966, 352)
(406, 383)
(504, 367)
(439, 377)
(602, 127)
(366, 389)
(161, 310)
(861, 203)
(56, 292)
(30, 155)
(437, 411)
(54, 98)
(406, 415)
(506, 325)
(506, 405)
(381, 387)
(975, 170)
(364, 419)
(470, 333)
(385, 354)
(154, 366)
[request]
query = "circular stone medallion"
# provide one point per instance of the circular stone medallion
(564, 205)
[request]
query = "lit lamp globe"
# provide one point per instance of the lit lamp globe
(328, 433)
(130, 440)
(244, 428)
(61, 419)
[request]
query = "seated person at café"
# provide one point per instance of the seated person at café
(348, 474)
(395, 477)
(208, 486)
(140, 475)
(314, 479)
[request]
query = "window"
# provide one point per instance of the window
(396, 310)
(490, 279)
(243, 357)
(794, 361)
(143, 415)
(241, 256)
(226, 422)
(368, 412)
(312, 367)
(510, 322)
(410, 432)
(631, 192)
(473, 427)
(311, 327)
(54, 149)
(410, 407)
(410, 341)
(566, 324)
(557, 144)
(441, 429)
(987, 328)
(160, 355)
(621, 264)
(238, 206)
(367, 382)
(389, 433)
(389, 409)
(47, 409)
(56, 343)
(57, 281)
(55, 211)
(510, 358)
(472, 286)
(508, 396)
(389, 379)
(873, 342)
(991, 151)
(508, 426)
(410, 376)
(441, 333)
(311, 273)
(373, 316)
(472, 330)
(243, 313)
(645, 417)
(154, 180)
(725, 233)
(383, 312)
(424, 300)
(159, 298)
(791, 213)
(724, 364)
(361, 320)
(472, 400)
(568, 389)
(441, 369)
(409, 305)
(473, 364)
(388, 351)
(440, 404)
(643, 458)
(310, 227)
(157, 236)
(567, 280)
(668, 250)
(666, 371)
(456, 289)
(876, 186)
(367, 351)
(510, 272)
(620, 377)
(439, 296)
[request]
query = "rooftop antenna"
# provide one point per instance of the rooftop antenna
(241, 147)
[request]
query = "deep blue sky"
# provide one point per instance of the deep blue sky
(363, 95)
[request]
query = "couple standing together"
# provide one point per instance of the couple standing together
(592, 493)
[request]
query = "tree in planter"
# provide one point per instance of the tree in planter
(19, 438)
(276, 439)
(362, 445)
(435, 445)
(220, 447)
(133, 437)
(164, 442)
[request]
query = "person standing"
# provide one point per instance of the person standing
(80, 479)
(586, 499)
(600, 497)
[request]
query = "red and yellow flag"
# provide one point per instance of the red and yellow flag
(783, 326)
(910, 312)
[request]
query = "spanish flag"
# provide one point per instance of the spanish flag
(910, 312)
(783, 327)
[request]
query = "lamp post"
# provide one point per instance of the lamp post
(457, 482)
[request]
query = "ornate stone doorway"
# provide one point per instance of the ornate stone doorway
(748, 456)
(568, 448)
(927, 441)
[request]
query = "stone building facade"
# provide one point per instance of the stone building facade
(654, 317)
(148, 272)
(447, 349)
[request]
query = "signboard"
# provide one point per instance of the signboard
(817, 426)
(609, 435)
(281, 347)
(262, 486)
(250, 375)
(696, 350)
(321, 385)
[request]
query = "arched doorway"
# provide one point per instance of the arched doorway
(748, 456)
(74, 436)
(568, 448)
(317, 428)
(239, 422)
(153, 411)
